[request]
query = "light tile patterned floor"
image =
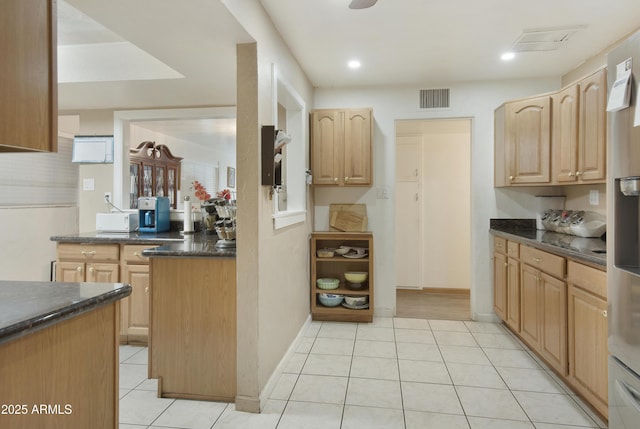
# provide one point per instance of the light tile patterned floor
(391, 374)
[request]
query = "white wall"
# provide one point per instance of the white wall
(476, 100)
(273, 265)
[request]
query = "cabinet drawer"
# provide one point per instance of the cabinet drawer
(587, 278)
(132, 253)
(550, 264)
(500, 245)
(513, 249)
(88, 252)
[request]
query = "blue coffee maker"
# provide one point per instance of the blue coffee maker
(153, 214)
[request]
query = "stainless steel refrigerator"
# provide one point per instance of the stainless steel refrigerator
(623, 248)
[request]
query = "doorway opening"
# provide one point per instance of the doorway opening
(433, 218)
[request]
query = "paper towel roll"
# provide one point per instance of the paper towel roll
(188, 221)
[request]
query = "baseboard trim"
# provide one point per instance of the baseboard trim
(438, 290)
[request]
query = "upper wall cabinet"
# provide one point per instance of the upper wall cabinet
(555, 139)
(341, 147)
(28, 87)
(523, 142)
(579, 131)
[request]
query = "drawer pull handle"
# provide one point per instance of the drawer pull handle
(146, 290)
(89, 252)
(604, 313)
(91, 269)
(506, 264)
(79, 269)
(136, 253)
(538, 260)
(498, 244)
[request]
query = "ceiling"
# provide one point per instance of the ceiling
(158, 53)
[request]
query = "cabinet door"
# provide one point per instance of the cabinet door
(500, 285)
(528, 124)
(513, 294)
(554, 322)
(147, 180)
(593, 128)
(565, 134)
(530, 302)
(161, 180)
(588, 346)
(327, 151)
(69, 271)
(409, 158)
(137, 304)
(357, 147)
(28, 87)
(102, 273)
(135, 177)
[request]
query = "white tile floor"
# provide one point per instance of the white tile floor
(393, 373)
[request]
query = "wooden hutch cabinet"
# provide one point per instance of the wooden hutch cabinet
(155, 172)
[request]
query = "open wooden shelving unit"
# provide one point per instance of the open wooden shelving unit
(335, 267)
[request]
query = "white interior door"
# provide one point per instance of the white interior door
(432, 209)
(408, 211)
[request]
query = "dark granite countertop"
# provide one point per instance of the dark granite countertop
(172, 243)
(195, 245)
(26, 307)
(589, 250)
(121, 237)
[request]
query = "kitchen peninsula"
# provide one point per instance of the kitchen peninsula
(183, 304)
(59, 354)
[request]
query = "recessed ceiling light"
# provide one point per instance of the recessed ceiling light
(354, 64)
(508, 56)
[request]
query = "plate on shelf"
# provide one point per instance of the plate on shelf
(355, 255)
(355, 307)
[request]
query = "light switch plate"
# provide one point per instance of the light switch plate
(594, 197)
(88, 184)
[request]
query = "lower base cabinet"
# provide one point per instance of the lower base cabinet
(588, 334)
(562, 316)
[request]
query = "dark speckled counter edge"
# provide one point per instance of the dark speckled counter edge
(524, 231)
(41, 321)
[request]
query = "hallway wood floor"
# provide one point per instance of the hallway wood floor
(417, 304)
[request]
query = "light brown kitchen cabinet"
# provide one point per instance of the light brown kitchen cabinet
(341, 147)
(527, 142)
(87, 263)
(592, 135)
(134, 309)
(506, 282)
(588, 332)
(579, 131)
(500, 277)
(28, 87)
(543, 305)
(513, 286)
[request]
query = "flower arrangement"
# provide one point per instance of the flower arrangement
(200, 191)
(226, 194)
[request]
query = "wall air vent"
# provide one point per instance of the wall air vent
(434, 98)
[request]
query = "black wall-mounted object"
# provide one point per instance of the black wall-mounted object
(271, 170)
(268, 139)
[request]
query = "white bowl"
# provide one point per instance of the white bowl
(356, 300)
(330, 299)
(342, 250)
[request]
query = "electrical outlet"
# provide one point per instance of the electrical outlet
(107, 196)
(594, 197)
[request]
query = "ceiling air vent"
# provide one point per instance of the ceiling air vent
(434, 98)
(544, 39)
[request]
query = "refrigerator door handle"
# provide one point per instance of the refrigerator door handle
(629, 395)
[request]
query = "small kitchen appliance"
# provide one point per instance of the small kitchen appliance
(153, 214)
(116, 222)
